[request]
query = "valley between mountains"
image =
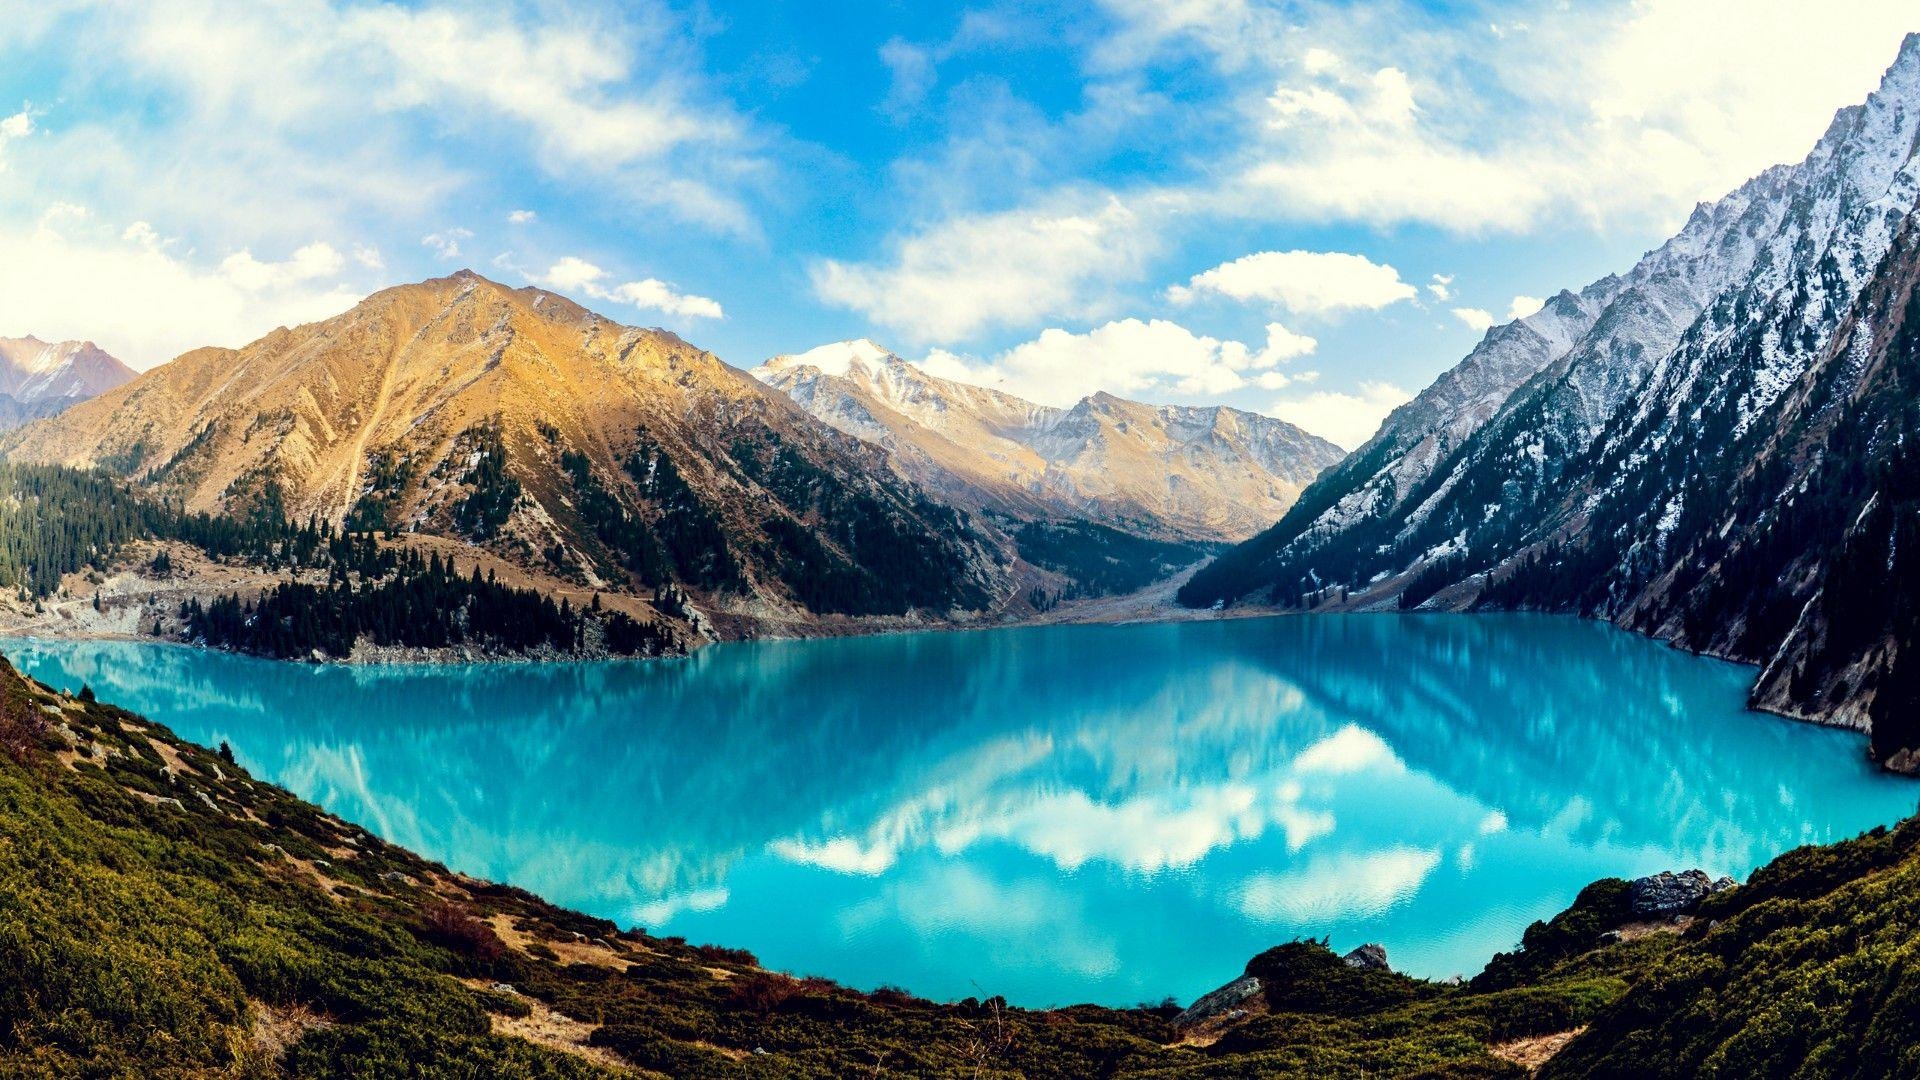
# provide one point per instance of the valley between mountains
(1711, 448)
(1717, 448)
(628, 492)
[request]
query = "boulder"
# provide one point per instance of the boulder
(1219, 1002)
(1368, 957)
(1667, 895)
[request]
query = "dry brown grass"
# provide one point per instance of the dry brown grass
(1536, 1050)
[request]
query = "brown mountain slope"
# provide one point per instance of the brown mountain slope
(1197, 474)
(518, 420)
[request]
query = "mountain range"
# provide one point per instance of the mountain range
(39, 379)
(519, 421)
(1170, 472)
(602, 456)
(1712, 448)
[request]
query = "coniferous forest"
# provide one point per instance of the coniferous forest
(60, 521)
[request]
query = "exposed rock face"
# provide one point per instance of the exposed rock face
(1220, 1002)
(39, 379)
(1666, 895)
(1368, 957)
(1205, 474)
(518, 420)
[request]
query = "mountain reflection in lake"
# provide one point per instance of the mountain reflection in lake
(1064, 814)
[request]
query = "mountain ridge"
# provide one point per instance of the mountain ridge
(1192, 473)
(39, 378)
(520, 421)
(1646, 475)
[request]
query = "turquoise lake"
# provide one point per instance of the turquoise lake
(1111, 813)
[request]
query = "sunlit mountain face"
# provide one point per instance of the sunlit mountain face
(1080, 813)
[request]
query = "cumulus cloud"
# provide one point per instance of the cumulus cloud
(576, 275)
(446, 243)
(256, 124)
(1441, 287)
(1307, 282)
(1476, 318)
(316, 260)
(1344, 419)
(1347, 885)
(1483, 320)
(73, 277)
(17, 126)
(521, 217)
(1133, 358)
(974, 273)
(841, 854)
(1393, 112)
(1524, 306)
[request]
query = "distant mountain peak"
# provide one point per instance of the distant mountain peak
(1177, 471)
(39, 378)
(837, 358)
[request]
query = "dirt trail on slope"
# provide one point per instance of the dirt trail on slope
(350, 485)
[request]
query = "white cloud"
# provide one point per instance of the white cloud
(973, 273)
(259, 124)
(568, 84)
(1524, 306)
(17, 126)
(446, 243)
(660, 912)
(571, 274)
(913, 69)
(522, 217)
(1342, 886)
(1132, 358)
(576, 275)
(1441, 287)
(369, 256)
(1392, 112)
(1307, 282)
(1479, 319)
(316, 260)
(1344, 419)
(652, 294)
(143, 235)
(70, 278)
(841, 854)
(1483, 320)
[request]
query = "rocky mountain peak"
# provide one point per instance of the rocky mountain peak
(1192, 473)
(39, 377)
(1717, 455)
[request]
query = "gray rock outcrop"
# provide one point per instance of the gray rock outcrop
(1666, 895)
(1219, 1002)
(1370, 957)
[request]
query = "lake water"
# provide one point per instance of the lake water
(1110, 814)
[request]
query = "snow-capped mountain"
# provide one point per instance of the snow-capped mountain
(1662, 452)
(39, 379)
(1205, 474)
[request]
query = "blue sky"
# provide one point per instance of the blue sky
(1307, 209)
